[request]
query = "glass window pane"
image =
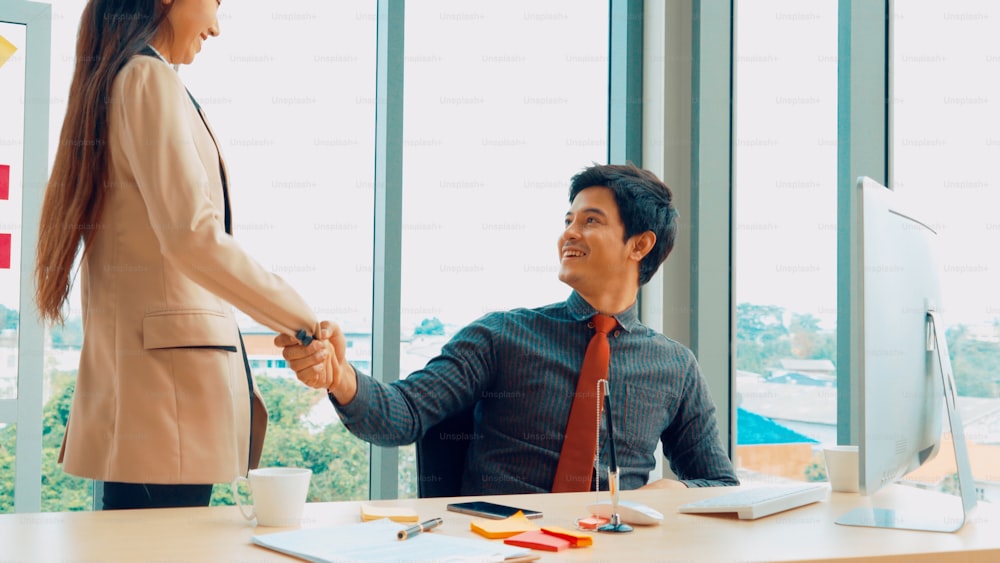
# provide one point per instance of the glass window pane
(945, 141)
(12, 102)
(61, 491)
(503, 103)
(785, 176)
(293, 108)
(290, 95)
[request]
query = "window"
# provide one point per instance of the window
(491, 139)
(785, 158)
(492, 136)
(12, 103)
(12, 114)
(294, 118)
(944, 142)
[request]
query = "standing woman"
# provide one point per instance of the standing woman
(164, 405)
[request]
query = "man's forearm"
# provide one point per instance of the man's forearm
(664, 484)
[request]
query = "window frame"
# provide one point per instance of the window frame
(661, 57)
(26, 409)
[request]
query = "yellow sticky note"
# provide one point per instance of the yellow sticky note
(6, 50)
(396, 514)
(505, 528)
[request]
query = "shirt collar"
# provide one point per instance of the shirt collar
(580, 310)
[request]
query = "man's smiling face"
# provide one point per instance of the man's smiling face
(593, 252)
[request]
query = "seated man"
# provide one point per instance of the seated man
(520, 368)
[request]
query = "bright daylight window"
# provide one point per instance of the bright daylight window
(491, 138)
(945, 94)
(293, 111)
(785, 159)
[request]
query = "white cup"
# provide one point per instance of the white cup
(278, 493)
(842, 468)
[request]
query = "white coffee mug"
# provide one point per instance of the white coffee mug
(842, 468)
(278, 494)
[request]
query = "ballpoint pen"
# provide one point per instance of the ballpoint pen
(304, 337)
(421, 527)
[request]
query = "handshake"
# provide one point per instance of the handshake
(322, 364)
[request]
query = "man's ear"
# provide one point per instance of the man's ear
(642, 244)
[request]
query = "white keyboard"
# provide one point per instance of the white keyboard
(754, 503)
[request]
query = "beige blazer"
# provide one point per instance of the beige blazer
(162, 394)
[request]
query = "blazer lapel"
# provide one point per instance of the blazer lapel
(222, 166)
(149, 52)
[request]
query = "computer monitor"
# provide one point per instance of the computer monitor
(900, 370)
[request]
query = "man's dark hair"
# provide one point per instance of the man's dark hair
(645, 203)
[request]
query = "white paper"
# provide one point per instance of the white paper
(376, 541)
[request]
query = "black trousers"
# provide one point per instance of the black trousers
(118, 496)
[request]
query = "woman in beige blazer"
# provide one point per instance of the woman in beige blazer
(164, 401)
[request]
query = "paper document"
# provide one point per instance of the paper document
(376, 541)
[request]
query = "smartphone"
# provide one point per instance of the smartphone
(490, 510)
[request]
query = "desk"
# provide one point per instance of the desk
(220, 534)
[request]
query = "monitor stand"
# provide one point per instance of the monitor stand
(904, 520)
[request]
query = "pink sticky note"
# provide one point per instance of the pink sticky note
(4, 181)
(4, 251)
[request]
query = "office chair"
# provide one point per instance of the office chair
(441, 456)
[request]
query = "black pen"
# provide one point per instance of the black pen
(421, 527)
(613, 462)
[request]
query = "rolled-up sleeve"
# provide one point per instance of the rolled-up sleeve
(399, 413)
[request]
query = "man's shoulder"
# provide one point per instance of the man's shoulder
(663, 344)
(552, 310)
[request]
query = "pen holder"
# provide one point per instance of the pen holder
(615, 524)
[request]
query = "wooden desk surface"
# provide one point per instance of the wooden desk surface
(220, 534)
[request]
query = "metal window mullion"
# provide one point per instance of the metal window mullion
(386, 274)
(712, 318)
(625, 50)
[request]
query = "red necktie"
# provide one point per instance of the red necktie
(576, 462)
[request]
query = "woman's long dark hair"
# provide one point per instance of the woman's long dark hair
(111, 32)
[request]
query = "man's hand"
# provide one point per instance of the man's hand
(323, 363)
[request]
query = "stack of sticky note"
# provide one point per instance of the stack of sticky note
(505, 528)
(396, 514)
(550, 538)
